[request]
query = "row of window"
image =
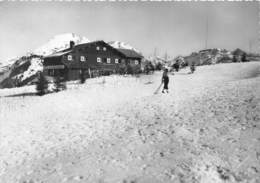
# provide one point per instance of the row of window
(99, 60)
(107, 60)
(98, 48)
(82, 58)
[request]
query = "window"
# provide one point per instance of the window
(108, 60)
(98, 59)
(116, 60)
(98, 48)
(69, 57)
(136, 62)
(82, 58)
(104, 49)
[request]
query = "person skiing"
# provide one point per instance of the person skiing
(176, 65)
(192, 67)
(165, 81)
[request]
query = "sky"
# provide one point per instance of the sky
(175, 28)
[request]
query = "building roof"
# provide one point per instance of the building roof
(89, 43)
(130, 53)
(124, 52)
(238, 52)
(58, 54)
(206, 50)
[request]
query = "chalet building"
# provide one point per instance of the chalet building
(90, 59)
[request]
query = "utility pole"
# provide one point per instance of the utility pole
(155, 55)
(250, 46)
(166, 56)
(155, 52)
(207, 25)
(258, 27)
(207, 30)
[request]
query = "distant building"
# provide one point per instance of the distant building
(238, 54)
(89, 58)
(205, 51)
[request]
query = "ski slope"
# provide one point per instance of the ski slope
(113, 129)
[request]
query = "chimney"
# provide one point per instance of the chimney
(72, 44)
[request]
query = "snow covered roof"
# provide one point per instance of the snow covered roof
(130, 53)
(88, 43)
(206, 50)
(238, 52)
(58, 54)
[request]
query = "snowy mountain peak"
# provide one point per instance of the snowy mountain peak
(122, 45)
(60, 42)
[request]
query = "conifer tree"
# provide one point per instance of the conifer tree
(158, 66)
(59, 84)
(82, 77)
(234, 58)
(41, 85)
(243, 59)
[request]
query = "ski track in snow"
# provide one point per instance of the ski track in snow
(112, 129)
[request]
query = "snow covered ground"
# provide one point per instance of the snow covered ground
(113, 129)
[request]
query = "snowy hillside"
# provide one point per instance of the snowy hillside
(21, 69)
(206, 130)
(59, 42)
(33, 69)
(4, 66)
(21, 72)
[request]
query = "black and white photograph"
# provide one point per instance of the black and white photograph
(129, 91)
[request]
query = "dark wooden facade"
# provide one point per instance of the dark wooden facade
(89, 59)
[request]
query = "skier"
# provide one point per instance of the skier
(165, 81)
(192, 67)
(176, 65)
